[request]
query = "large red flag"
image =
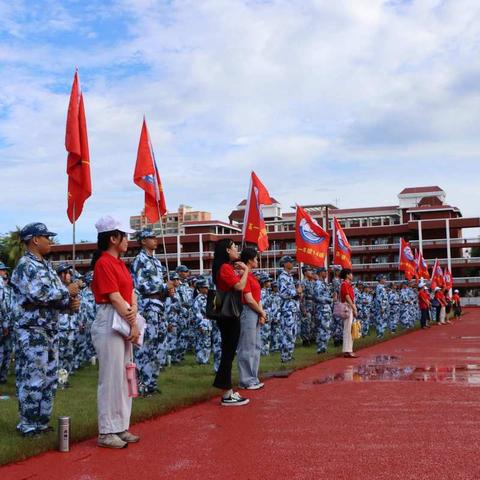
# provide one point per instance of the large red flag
(311, 240)
(78, 161)
(146, 176)
(406, 260)
(342, 252)
(447, 278)
(254, 229)
(421, 267)
(437, 275)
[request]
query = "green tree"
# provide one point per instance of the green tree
(11, 247)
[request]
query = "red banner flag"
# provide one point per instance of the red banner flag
(406, 260)
(254, 229)
(421, 267)
(342, 252)
(437, 275)
(78, 161)
(447, 278)
(311, 240)
(146, 176)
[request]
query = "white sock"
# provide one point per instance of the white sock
(228, 393)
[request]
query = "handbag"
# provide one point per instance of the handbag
(120, 325)
(356, 330)
(223, 304)
(341, 310)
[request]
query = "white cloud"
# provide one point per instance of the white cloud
(325, 100)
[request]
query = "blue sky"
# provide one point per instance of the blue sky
(324, 100)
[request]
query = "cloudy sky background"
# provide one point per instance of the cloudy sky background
(328, 101)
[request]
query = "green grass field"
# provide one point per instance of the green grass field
(181, 385)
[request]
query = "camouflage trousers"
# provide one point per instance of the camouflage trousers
(148, 357)
(307, 327)
(36, 370)
(394, 319)
(6, 350)
(66, 350)
(323, 322)
(289, 329)
(203, 345)
(381, 321)
(216, 346)
(364, 318)
(177, 342)
(275, 336)
(265, 336)
(337, 330)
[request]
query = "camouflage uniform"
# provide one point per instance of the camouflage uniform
(6, 323)
(404, 299)
(308, 314)
(275, 332)
(86, 318)
(187, 335)
(40, 296)
(322, 296)
(66, 338)
(265, 330)
(381, 309)
(216, 345)
(203, 329)
(337, 324)
(176, 316)
(394, 309)
(147, 276)
(288, 315)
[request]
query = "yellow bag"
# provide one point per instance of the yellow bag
(356, 330)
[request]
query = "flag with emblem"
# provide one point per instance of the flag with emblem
(437, 275)
(146, 176)
(406, 260)
(78, 160)
(447, 278)
(421, 267)
(311, 240)
(254, 228)
(342, 252)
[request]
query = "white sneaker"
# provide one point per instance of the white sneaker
(255, 386)
(234, 400)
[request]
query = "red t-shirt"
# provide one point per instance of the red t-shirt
(423, 299)
(253, 287)
(346, 289)
(441, 298)
(227, 278)
(111, 275)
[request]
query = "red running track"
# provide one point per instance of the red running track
(298, 429)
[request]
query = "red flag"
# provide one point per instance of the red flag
(437, 275)
(254, 229)
(78, 161)
(406, 260)
(421, 267)
(341, 248)
(311, 240)
(146, 176)
(447, 278)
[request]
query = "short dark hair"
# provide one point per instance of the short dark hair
(248, 253)
(345, 272)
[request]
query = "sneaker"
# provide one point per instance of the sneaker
(111, 440)
(234, 400)
(255, 386)
(128, 437)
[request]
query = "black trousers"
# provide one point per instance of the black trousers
(230, 333)
(424, 317)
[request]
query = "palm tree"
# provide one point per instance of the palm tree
(11, 247)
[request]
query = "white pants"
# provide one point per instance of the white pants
(443, 311)
(347, 333)
(113, 352)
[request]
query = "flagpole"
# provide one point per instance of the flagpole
(163, 240)
(73, 241)
(274, 261)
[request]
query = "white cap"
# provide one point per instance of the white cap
(455, 291)
(437, 288)
(108, 224)
(422, 284)
(425, 287)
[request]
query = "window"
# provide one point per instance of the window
(355, 222)
(376, 221)
(356, 260)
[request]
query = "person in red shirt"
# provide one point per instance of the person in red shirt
(442, 302)
(424, 305)
(347, 295)
(252, 318)
(112, 288)
(227, 280)
(457, 306)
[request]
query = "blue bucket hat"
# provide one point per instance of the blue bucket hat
(3, 266)
(64, 267)
(35, 229)
(174, 276)
(286, 259)
(182, 268)
(145, 233)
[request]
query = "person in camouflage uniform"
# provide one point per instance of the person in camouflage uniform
(266, 328)
(394, 308)
(176, 316)
(405, 311)
(275, 333)
(323, 299)
(337, 323)
(368, 307)
(289, 309)
(187, 336)
(381, 307)
(203, 325)
(39, 297)
(6, 323)
(308, 311)
(87, 315)
(414, 308)
(147, 274)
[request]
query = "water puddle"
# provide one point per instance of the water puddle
(468, 374)
(277, 374)
(466, 338)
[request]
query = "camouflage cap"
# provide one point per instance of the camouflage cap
(35, 229)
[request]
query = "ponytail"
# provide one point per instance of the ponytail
(103, 242)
